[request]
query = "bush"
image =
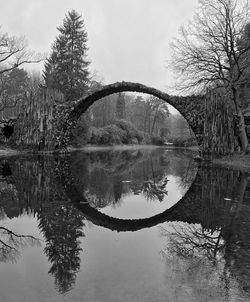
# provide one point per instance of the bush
(130, 130)
(157, 140)
(109, 135)
(146, 138)
(115, 134)
(119, 132)
(95, 135)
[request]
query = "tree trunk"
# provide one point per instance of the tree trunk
(241, 122)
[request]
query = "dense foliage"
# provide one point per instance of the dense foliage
(119, 132)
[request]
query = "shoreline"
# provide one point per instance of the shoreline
(236, 161)
(129, 147)
(6, 151)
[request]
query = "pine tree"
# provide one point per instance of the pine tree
(120, 106)
(67, 67)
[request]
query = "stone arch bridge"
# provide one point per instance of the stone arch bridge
(192, 108)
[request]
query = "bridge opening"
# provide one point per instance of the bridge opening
(132, 118)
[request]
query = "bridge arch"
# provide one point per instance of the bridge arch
(187, 106)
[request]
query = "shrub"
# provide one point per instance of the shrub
(129, 129)
(146, 138)
(108, 135)
(95, 135)
(157, 140)
(119, 132)
(115, 134)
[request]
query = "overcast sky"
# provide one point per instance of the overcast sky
(127, 39)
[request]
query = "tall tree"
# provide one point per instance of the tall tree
(67, 67)
(207, 54)
(17, 82)
(120, 106)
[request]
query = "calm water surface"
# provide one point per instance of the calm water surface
(138, 225)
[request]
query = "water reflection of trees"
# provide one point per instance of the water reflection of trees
(43, 187)
(33, 186)
(110, 176)
(11, 243)
(62, 229)
(190, 255)
(219, 247)
(46, 186)
(190, 240)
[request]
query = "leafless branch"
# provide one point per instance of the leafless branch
(207, 52)
(14, 52)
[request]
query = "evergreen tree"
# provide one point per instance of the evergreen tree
(67, 67)
(120, 106)
(17, 82)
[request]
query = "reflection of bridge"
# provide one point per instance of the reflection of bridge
(182, 211)
(189, 209)
(203, 203)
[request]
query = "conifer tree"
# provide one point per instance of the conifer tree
(67, 67)
(120, 106)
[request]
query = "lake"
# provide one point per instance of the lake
(123, 225)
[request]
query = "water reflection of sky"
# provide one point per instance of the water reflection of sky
(133, 206)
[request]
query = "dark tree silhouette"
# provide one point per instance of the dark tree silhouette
(62, 229)
(66, 69)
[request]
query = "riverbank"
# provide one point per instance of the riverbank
(6, 151)
(235, 161)
(115, 147)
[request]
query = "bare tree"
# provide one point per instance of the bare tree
(209, 52)
(14, 52)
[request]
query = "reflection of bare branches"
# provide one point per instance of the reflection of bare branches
(11, 243)
(195, 261)
(189, 240)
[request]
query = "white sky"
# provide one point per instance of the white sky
(127, 39)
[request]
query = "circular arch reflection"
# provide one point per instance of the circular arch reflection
(177, 212)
